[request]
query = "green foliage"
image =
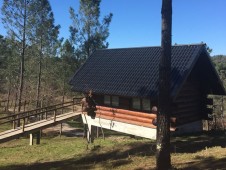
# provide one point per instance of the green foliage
(87, 32)
(9, 63)
(219, 62)
(33, 37)
(35, 63)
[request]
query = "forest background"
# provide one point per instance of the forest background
(36, 64)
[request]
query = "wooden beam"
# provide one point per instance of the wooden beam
(150, 125)
(124, 116)
(127, 112)
(114, 124)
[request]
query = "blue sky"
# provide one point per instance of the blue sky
(137, 23)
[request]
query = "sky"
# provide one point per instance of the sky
(137, 23)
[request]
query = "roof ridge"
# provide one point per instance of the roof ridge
(175, 45)
(192, 44)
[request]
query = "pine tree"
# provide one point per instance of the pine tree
(45, 37)
(163, 161)
(16, 18)
(69, 64)
(9, 68)
(87, 32)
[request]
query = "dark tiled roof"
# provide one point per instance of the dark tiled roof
(133, 71)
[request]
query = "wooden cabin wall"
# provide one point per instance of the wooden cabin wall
(190, 104)
(187, 106)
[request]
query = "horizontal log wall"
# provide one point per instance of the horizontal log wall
(127, 116)
(188, 104)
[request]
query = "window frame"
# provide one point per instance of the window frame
(115, 103)
(146, 103)
(106, 101)
(138, 100)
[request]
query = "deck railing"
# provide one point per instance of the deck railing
(39, 113)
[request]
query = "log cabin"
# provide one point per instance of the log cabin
(124, 84)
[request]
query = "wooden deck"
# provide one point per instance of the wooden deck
(119, 126)
(34, 120)
(32, 127)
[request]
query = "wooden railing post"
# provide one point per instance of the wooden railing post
(23, 124)
(54, 116)
(46, 114)
(73, 104)
(14, 123)
(42, 115)
(27, 120)
(62, 111)
(39, 115)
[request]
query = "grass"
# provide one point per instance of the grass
(192, 152)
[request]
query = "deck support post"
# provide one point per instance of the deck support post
(54, 118)
(31, 139)
(97, 131)
(90, 133)
(38, 137)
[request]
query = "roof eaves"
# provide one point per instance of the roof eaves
(215, 72)
(189, 67)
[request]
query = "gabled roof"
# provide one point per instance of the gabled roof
(133, 72)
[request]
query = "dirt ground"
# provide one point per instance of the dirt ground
(67, 130)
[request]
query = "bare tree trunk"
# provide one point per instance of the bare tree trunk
(15, 104)
(38, 133)
(8, 96)
(39, 72)
(163, 160)
(39, 82)
(64, 79)
(63, 97)
(21, 85)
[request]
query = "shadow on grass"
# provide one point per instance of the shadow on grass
(116, 157)
(207, 163)
(197, 142)
(108, 160)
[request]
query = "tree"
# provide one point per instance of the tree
(9, 67)
(163, 161)
(69, 63)
(87, 32)
(16, 17)
(3, 56)
(45, 37)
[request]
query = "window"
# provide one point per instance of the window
(146, 104)
(136, 103)
(107, 100)
(124, 102)
(115, 101)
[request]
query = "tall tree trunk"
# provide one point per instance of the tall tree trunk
(163, 160)
(15, 104)
(8, 96)
(39, 81)
(63, 96)
(21, 85)
(40, 68)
